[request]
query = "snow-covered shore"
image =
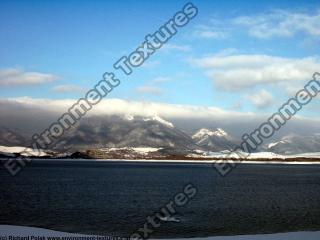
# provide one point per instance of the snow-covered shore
(141, 154)
(182, 161)
(24, 151)
(8, 230)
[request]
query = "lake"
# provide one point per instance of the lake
(115, 198)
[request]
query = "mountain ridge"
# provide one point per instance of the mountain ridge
(156, 132)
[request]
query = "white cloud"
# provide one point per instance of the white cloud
(237, 72)
(227, 52)
(27, 111)
(280, 24)
(262, 99)
(215, 30)
(17, 77)
(209, 34)
(149, 90)
(68, 88)
(160, 79)
(276, 23)
(175, 47)
(119, 106)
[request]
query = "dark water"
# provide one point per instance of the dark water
(115, 198)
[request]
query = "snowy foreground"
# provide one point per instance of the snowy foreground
(150, 153)
(22, 150)
(6, 230)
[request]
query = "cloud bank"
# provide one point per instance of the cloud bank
(68, 88)
(16, 77)
(280, 23)
(272, 24)
(240, 72)
(29, 114)
(261, 99)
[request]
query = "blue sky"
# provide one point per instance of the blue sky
(235, 55)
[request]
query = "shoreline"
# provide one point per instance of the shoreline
(175, 161)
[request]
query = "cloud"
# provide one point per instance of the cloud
(238, 72)
(174, 47)
(262, 99)
(149, 90)
(17, 77)
(160, 80)
(119, 106)
(266, 25)
(68, 89)
(280, 23)
(227, 52)
(215, 30)
(209, 34)
(37, 114)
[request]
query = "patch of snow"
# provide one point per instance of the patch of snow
(114, 149)
(268, 155)
(129, 117)
(223, 154)
(161, 120)
(288, 138)
(220, 132)
(199, 151)
(270, 145)
(258, 155)
(271, 155)
(23, 151)
(145, 149)
(308, 155)
(136, 149)
(275, 143)
(206, 132)
(21, 231)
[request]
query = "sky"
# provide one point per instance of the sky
(237, 56)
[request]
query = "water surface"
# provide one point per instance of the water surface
(115, 198)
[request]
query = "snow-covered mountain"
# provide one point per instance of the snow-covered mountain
(12, 137)
(160, 120)
(203, 132)
(120, 131)
(214, 140)
(128, 131)
(294, 144)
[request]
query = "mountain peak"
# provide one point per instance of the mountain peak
(159, 119)
(219, 132)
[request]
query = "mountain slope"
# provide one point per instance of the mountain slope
(294, 144)
(116, 131)
(153, 131)
(214, 140)
(10, 137)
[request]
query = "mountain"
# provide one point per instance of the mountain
(127, 131)
(214, 140)
(10, 137)
(294, 144)
(115, 131)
